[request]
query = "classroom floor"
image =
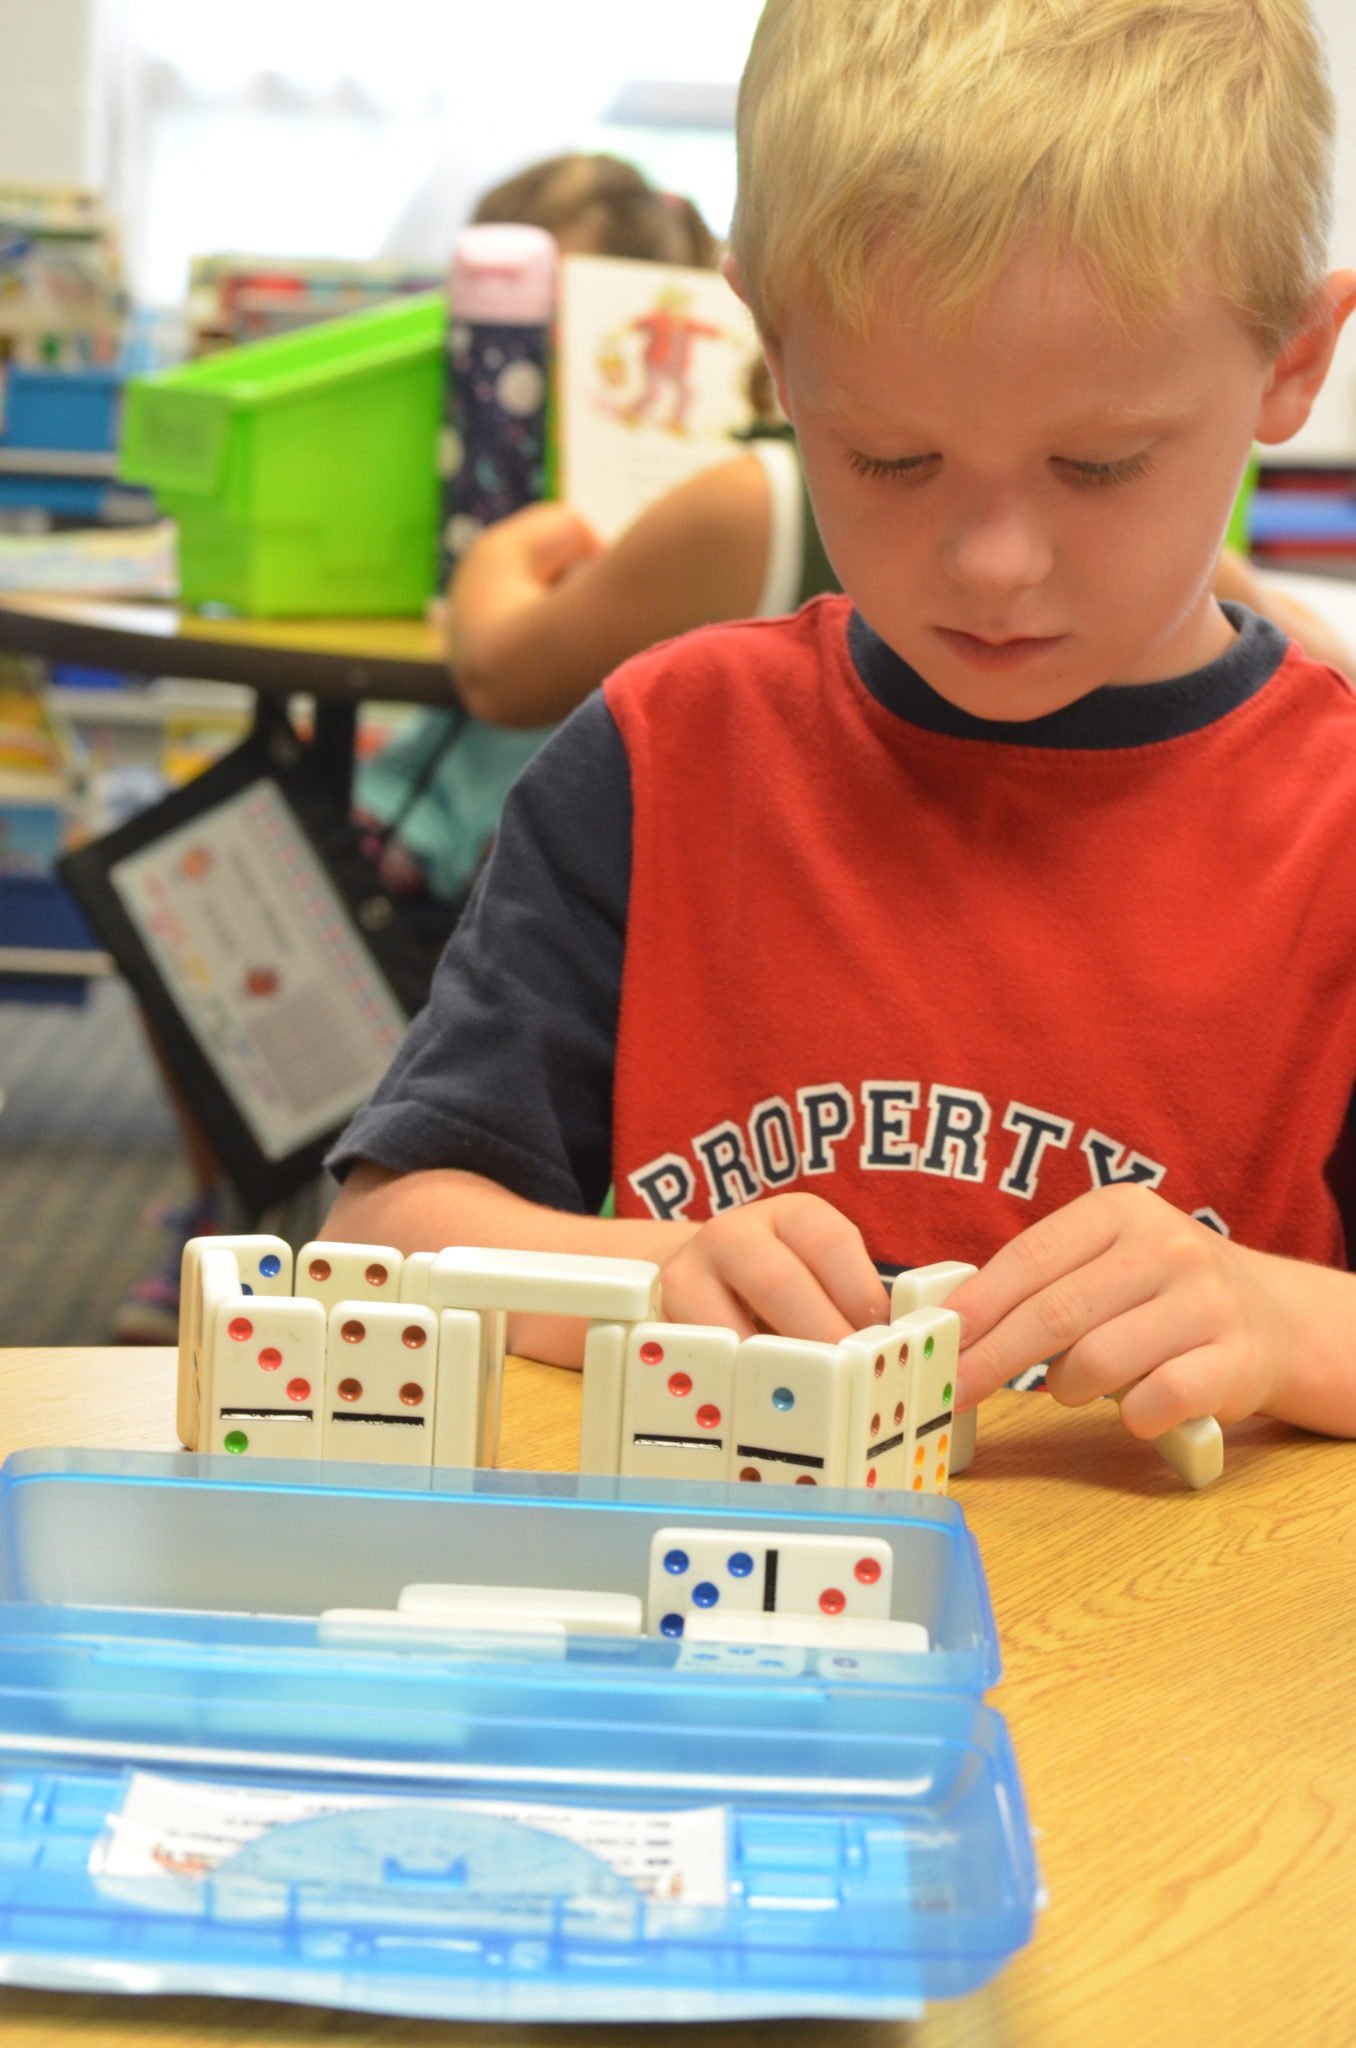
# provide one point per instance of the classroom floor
(87, 1149)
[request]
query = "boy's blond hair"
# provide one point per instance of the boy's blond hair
(1152, 139)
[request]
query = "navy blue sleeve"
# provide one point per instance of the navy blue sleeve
(507, 1070)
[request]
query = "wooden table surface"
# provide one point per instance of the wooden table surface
(1181, 1688)
(349, 659)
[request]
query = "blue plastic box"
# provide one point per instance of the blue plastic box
(876, 1844)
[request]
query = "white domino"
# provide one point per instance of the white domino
(876, 1364)
(677, 1416)
(1194, 1449)
(265, 1373)
(414, 1276)
(545, 1283)
(385, 1628)
(604, 1394)
(461, 1378)
(381, 1382)
(265, 1267)
(747, 1572)
(931, 1287)
(933, 1338)
(578, 1612)
(790, 1412)
(814, 1632)
(746, 1660)
(328, 1273)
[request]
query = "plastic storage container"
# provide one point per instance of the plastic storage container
(873, 1841)
(302, 470)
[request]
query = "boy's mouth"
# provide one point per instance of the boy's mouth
(1008, 653)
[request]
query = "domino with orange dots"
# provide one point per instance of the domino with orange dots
(381, 1382)
(933, 1337)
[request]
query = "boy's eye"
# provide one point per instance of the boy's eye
(1100, 473)
(891, 467)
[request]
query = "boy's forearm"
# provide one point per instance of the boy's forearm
(427, 1211)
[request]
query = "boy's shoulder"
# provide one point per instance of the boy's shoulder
(803, 646)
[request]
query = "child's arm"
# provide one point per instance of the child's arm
(539, 611)
(1119, 1287)
(791, 1264)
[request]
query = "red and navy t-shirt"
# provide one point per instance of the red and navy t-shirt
(769, 914)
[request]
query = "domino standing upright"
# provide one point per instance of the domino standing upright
(264, 1266)
(330, 1273)
(381, 1382)
(932, 1287)
(876, 1364)
(933, 1338)
(265, 1372)
(791, 1412)
(678, 1420)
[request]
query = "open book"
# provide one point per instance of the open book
(653, 362)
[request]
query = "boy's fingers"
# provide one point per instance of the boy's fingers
(1040, 1256)
(1123, 1348)
(1052, 1321)
(694, 1294)
(1192, 1383)
(834, 1251)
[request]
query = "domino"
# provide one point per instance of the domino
(604, 1393)
(265, 1373)
(740, 1571)
(461, 1368)
(578, 1612)
(381, 1382)
(933, 1335)
(385, 1628)
(1194, 1449)
(545, 1283)
(329, 1273)
(749, 1660)
(791, 1405)
(715, 1626)
(414, 1277)
(876, 1364)
(931, 1287)
(265, 1267)
(677, 1418)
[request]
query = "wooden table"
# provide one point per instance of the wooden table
(1181, 1688)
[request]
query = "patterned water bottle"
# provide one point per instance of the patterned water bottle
(501, 303)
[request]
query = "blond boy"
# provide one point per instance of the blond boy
(1004, 909)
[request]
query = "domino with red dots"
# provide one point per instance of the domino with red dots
(740, 1571)
(329, 1273)
(264, 1266)
(677, 1415)
(265, 1372)
(791, 1404)
(381, 1382)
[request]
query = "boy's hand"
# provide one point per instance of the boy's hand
(790, 1264)
(1120, 1289)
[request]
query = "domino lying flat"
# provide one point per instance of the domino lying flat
(356, 1352)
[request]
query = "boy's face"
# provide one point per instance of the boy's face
(1032, 506)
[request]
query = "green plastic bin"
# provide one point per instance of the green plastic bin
(302, 470)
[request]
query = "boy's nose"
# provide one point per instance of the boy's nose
(998, 548)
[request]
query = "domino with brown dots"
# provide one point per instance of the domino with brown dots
(381, 1382)
(329, 1273)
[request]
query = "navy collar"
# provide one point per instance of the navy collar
(1117, 715)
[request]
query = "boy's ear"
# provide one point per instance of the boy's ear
(1296, 376)
(771, 352)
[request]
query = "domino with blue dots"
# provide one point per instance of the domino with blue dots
(747, 1572)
